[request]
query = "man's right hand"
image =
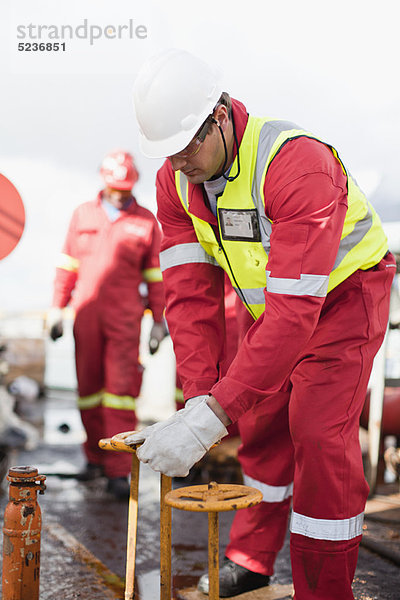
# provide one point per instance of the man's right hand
(54, 323)
(175, 445)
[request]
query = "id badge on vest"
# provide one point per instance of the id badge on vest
(239, 225)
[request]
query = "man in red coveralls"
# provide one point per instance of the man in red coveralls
(275, 208)
(112, 246)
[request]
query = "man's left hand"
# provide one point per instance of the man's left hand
(176, 444)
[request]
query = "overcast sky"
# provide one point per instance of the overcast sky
(332, 67)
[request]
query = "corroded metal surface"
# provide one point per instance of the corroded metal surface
(213, 497)
(22, 535)
(117, 443)
(165, 539)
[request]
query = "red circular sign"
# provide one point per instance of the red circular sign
(12, 217)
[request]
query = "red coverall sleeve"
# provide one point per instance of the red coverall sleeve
(194, 297)
(307, 203)
(67, 268)
(151, 272)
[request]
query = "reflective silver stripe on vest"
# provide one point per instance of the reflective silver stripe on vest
(351, 240)
(251, 295)
(271, 493)
(307, 285)
(184, 254)
(327, 529)
(183, 189)
(268, 134)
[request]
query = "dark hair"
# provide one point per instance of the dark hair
(225, 99)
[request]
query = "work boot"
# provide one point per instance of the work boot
(90, 472)
(234, 580)
(119, 487)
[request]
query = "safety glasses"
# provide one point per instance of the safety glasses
(195, 144)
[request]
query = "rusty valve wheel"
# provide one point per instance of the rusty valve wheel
(213, 498)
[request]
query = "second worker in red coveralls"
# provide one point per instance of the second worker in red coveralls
(275, 208)
(112, 246)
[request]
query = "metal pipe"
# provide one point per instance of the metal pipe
(132, 530)
(375, 414)
(213, 556)
(165, 539)
(117, 444)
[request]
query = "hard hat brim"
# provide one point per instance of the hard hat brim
(176, 143)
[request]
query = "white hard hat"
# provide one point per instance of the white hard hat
(173, 94)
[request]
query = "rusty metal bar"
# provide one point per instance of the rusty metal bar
(165, 539)
(213, 556)
(132, 530)
(117, 444)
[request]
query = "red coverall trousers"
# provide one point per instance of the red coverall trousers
(106, 355)
(305, 439)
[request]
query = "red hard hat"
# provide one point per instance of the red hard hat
(118, 170)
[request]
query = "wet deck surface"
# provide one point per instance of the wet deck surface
(84, 533)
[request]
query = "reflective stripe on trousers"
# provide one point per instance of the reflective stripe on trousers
(103, 398)
(271, 493)
(322, 529)
(152, 275)
(68, 263)
(327, 529)
(86, 402)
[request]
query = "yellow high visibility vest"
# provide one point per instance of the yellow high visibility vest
(363, 241)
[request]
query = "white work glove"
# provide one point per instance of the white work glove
(158, 332)
(54, 323)
(175, 445)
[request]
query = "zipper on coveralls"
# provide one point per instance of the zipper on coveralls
(222, 249)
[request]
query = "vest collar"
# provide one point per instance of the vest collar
(198, 201)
